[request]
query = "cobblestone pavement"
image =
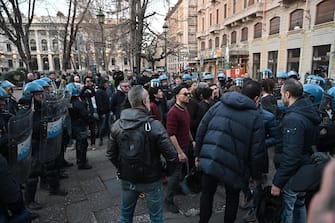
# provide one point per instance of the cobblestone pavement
(94, 196)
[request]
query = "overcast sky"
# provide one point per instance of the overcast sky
(51, 7)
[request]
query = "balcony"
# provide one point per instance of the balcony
(287, 3)
(214, 29)
(245, 15)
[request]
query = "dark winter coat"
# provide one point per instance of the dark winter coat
(230, 141)
(79, 116)
(159, 143)
(116, 102)
(300, 133)
(102, 101)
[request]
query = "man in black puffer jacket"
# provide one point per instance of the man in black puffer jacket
(230, 147)
(137, 141)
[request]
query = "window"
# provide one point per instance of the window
(251, 2)
(44, 45)
(33, 45)
(272, 61)
(244, 34)
(45, 61)
(296, 19)
(325, 12)
(113, 61)
(274, 25)
(293, 58)
(225, 11)
(217, 42)
(55, 44)
(256, 64)
(210, 19)
(9, 47)
(210, 44)
(224, 40)
(245, 3)
(203, 45)
(321, 57)
(234, 6)
(203, 24)
(233, 37)
(10, 63)
(217, 16)
(125, 61)
(258, 30)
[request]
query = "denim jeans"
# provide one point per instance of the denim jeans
(294, 206)
(103, 126)
(153, 195)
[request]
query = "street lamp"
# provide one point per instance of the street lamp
(165, 27)
(101, 21)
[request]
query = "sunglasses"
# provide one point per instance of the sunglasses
(187, 94)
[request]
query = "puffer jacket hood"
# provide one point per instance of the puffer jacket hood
(305, 107)
(238, 101)
(131, 118)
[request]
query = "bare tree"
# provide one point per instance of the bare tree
(71, 28)
(15, 26)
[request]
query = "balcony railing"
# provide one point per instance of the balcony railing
(244, 15)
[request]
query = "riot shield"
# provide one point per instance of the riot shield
(19, 139)
(53, 112)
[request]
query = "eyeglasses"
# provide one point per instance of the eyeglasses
(187, 94)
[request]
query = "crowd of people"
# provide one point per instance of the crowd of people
(160, 127)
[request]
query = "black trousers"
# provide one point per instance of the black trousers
(208, 189)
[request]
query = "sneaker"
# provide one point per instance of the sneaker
(171, 206)
(93, 147)
(34, 206)
(58, 192)
(250, 216)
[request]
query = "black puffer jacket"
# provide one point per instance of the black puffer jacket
(300, 132)
(230, 141)
(159, 143)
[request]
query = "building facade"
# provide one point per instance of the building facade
(46, 45)
(182, 28)
(251, 35)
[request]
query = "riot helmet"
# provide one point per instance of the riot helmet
(293, 74)
(186, 77)
(282, 75)
(6, 84)
(46, 79)
(3, 100)
(314, 79)
(331, 93)
(313, 92)
(30, 89)
(154, 83)
(72, 89)
(239, 82)
(42, 82)
(208, 77)
(163, 77)
(221, 75)
(266, 73)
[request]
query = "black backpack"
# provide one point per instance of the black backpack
(269, 208)
(134, 147)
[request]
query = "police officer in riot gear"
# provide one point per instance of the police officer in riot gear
(79, 121)
(9, 88)
(34, 92)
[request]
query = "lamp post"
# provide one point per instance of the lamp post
(101, 21)
(165, 27)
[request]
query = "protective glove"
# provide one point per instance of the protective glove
(320, 157)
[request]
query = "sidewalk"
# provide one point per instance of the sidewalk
(94, 196)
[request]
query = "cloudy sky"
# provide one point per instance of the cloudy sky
(51, 7)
